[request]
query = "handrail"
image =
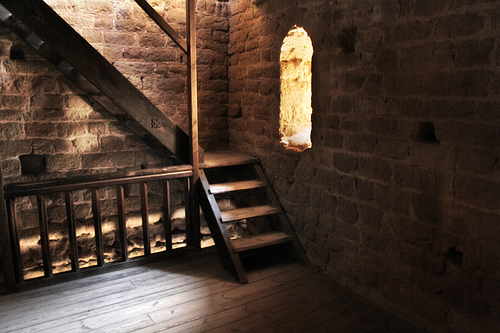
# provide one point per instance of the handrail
(94, 181)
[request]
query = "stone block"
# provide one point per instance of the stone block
(330, 203)
(347, 211)
(375, 168)
(345, 162)
(347, 186)
(364, 190)
(11, 167)
(392, 199)
(13, 102)
(71, 129)
(370, 217)
(392, 148)
(327, 179)
(480, 256)
(411, 177)
(475, 52)
(332, 139)
(477, 191)
(404, 84)
(45, 85)
(64, 162)
(428, 208)
(471, 83)
(387, 61)
(127, 39)
(459, 24)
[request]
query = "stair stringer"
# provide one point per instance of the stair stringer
(230, 249)
(44, 30)
(212, 214)
(299, 252)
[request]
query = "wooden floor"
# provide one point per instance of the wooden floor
(196, 294)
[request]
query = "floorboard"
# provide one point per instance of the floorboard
(196, 294)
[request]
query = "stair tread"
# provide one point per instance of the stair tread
(259, 241)
(236, 186)
(218, 159)
(247, 212)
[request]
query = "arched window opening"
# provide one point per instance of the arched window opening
(296, 77)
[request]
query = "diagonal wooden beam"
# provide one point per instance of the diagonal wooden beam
(153, 14)
(78, 55)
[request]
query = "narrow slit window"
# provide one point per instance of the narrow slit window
(295, 103)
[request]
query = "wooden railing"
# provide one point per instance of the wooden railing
(94, 183)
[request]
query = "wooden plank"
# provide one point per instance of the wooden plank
(259, 241)
(44, 236)
(96, 212)
(179, 298)
(67, 43)
(73, 245)
(236, 186)
(145, 218)
(122, 222)
(153, 14)
(226, 158)
(101, 311)
(247, 212)
(219, 232)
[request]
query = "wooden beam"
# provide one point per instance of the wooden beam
(153, 14)
(193, 119)
(5, 243)
(52, 30)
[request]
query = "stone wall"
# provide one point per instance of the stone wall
(45, 119)
(398, 197)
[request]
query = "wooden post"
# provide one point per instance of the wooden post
(193, 120)
(8, 262)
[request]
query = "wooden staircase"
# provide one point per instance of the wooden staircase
(44, 30)
(222, 174)
(239, 179)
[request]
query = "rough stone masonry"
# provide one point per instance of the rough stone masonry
(398, 198)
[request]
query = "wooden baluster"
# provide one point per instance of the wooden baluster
(145, 218)
(96, 212)
(44, 236)
(14, 240)
(187, 201)
(73, 245)
(122, 222)
(167, 215)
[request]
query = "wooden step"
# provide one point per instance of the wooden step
(236, 186)
(247, 212)
(260, 241)
(218, 159)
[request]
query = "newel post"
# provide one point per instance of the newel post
(194, 229)
(7, 261)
